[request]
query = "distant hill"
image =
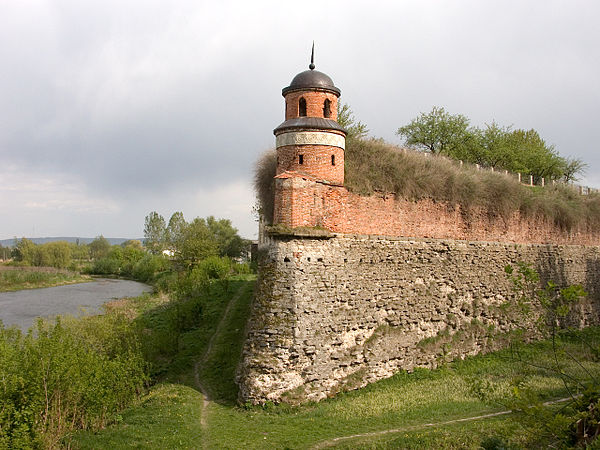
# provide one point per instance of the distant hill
(82, 240)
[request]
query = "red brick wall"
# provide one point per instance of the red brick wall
(303, 203)
(316, 161)
(314, 104)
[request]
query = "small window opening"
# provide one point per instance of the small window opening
(327, 108)
(302, 107)
(300, 159)
(333, 160)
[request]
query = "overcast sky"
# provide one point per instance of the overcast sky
(112, 109)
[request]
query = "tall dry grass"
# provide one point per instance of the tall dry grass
(264, 185)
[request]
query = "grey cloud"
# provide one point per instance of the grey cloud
(148, 101)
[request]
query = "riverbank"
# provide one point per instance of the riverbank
(21, 308)
(14, 278)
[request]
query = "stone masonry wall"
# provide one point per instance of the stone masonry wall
(338, 313)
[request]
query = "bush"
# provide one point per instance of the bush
(130, 263)
(149, 266)
(75, 374)
(106, 266)
(241, 268)
(215, 268)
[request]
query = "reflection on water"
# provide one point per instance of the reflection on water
(21, 308)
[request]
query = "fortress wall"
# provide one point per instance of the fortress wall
(341, 211)
(338, 313)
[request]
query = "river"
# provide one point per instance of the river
(21, 308)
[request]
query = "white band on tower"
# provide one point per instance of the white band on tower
(310, 137)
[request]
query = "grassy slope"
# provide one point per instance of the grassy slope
(17, 278)
(169, 417)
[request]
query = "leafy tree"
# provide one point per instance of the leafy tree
(197, 242)
(493, 146)
(132, 243)
(572, 168)
(576, 423)
(24, 251)
(80, 252)
(4, 252)
(154, 232)
(355, 128)
(99, 247)
(531, 155)
(56, 254)
(226, 237)
(438, 132)
(175, 229)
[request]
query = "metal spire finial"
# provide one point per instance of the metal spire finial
(312, 58)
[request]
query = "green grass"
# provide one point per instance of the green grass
(169, 417)
(17, 278)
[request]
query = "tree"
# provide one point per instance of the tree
(154, 232)
(493, 146)
(132, 243)
(531, 155)
(24, 251)
(355, 129)
(438, 132)
(196, 243)
(175, 229)
(226, 236)
(99, 247)
(573, 167)
(56, 254)
(577, 422)
(79, 252)
(4, 252)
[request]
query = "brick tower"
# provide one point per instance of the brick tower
(310, 143)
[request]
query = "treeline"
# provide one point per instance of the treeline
(62, 254)
(190, 242)
(173, 250)
(494, 146)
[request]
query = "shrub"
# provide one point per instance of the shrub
(106, 266)
(215, 268)
(241, 268)
(74, 374)
(147, 267)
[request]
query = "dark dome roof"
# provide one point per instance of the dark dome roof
(311, 79)
(309, 123)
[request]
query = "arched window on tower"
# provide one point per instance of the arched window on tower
(327, 108)
(302, 107)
